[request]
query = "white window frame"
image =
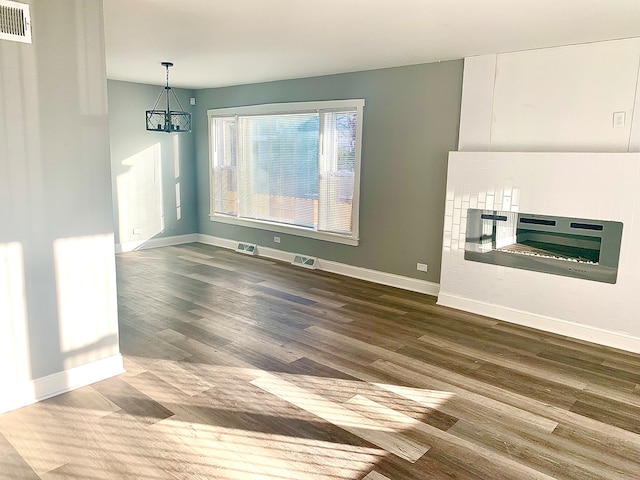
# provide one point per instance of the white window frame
(284, 108)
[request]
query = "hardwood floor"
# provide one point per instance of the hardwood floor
(240, 368)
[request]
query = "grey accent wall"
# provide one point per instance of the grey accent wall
(147, 166)
(411, 122)
(56, 237)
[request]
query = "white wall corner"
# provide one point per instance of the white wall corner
(477, 103)
(634, 135)
(61, 382)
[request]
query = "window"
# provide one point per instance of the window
(290, 167)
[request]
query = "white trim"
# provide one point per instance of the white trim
(282, 228)
(587, 333)
(217, 241)
(319, 106)
(156, 242)
(384, 278)
(276, 108)
(355, 219)
(275, 254)
(45, 387)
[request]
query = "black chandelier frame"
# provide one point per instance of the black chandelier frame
(169, 121)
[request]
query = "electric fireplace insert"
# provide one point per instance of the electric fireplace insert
(573, 247)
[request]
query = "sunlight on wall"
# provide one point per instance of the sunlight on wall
(87, 306)
(176, 156)
(178, 207)
(139, 192)
(14, 335)
(176, 174)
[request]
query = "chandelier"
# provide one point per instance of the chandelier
(170, 121)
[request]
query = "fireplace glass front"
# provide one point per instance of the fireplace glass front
(573, 247)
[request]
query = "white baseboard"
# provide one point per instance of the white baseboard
(156, 242)
(384, 278)
(275, 254)
(217, 241)
(61, 382)
(587, 333)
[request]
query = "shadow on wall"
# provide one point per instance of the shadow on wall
(140, 197)
(152, 172)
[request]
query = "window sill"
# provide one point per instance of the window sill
(287, 229)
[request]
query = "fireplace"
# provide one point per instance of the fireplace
(572, 247)
(583, 185)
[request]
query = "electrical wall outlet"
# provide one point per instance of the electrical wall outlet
(276, 239)
(137, 231)
(422, 267)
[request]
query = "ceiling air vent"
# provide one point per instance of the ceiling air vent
(15, 22)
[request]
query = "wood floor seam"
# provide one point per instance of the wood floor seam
(240, 367)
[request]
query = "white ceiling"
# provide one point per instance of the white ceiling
(215, 43)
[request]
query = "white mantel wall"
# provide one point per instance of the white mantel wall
(532, 104)
(555, 100)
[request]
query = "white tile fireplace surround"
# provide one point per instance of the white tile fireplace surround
(600, 186)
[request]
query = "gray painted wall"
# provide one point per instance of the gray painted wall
(411, 122)
(55, 192)
(141, 195)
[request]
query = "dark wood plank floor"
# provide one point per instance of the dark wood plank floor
(244, 368)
